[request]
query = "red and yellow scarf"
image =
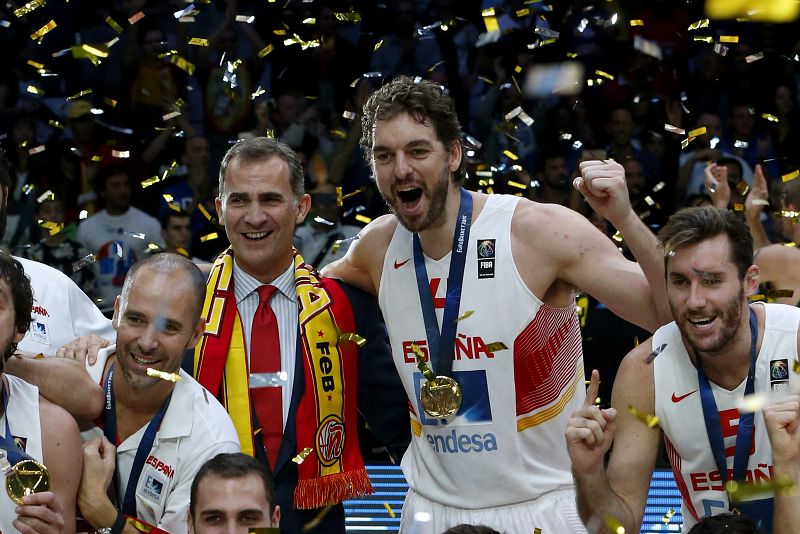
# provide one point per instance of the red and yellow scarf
(326, 415)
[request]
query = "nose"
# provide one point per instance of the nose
(255, 215)
(697, 298)
(402, 165)
(148, 341)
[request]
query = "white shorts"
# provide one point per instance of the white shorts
(554, 512)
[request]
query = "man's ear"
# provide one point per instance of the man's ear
(197, 333)
(303, 205)
(751, 280)
(117, 313)
(276, 516)
(455, 151)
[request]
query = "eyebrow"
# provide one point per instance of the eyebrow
(266, 195)
(411, 144)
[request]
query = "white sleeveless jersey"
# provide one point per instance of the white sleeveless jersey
(680, 412)
(26, 429)
(516, 401)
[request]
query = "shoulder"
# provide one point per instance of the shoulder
(377, 233)
(634, 383)
(774, 253)
(56, 421)
(210, 420)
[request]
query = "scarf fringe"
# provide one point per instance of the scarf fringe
(332, 489)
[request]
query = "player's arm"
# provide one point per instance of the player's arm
(603, 185)
(556, 243)
(616, 494)
(362, 265)
(62, 382)
(783, 427)
(780, 265)
(54, 511)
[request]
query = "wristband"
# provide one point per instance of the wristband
(119, 524)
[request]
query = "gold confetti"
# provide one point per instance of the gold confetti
(728, 38)
(780, 293)
(389, 509)
(464, 315)
(510, 155)
(52, 227)
(182, 63)
(209, 237)
(739, 491)
(205, 212)
(491, 24)
(617, 237)
(150, 181)
(770, 117)
(524, 12)
(27, 8)
(518, 185)
(363, 219)
(310, 20)
(378, 45)
(704, 39)
(702, 23)
(537, 530)
(266, 50)
(317, 519)
(433, 67)
(121, 153)
(79, 94)
(742, 188)
(738, 207)
(668, 516)
(697, 131)
(355, 338)
(349, 16)
(170, 377)
(796, 366)
(35, 65)
(614, 525)
(604, 74)
(349, 115)
(110, 101)
(788, 214)
(113, 23)
(637, 22)
(495, 346)
(47, 195)
(300, 458)
(340, 197)
(791, 176)
(198, 41)
(650, 420)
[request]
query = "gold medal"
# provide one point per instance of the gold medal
(440, 396)
(26, 478)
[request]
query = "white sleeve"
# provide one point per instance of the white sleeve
(86, 317)
(96, 370)
(176, 510)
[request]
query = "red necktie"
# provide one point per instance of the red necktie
(265, 357)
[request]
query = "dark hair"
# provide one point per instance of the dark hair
(731, 161)
(169, 263)
(261, 148)
(233, 465)
(470, 529)
(546, 153)
(425, 101)
(694, 225)
(5, 170)
(19, 284)
(726, 523)
(172, 214)
(104, 173)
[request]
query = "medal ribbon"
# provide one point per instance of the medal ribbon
(14, 452)
(441, 345)
(744, 435)
(145, 445)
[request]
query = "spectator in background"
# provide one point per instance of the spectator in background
(552, 177)
(324, 238)
(55, 248)
(176, 231)
(119, 235)
(186, 194)
(620, 126)
(742, 140)
(786, 131)
(232, 492)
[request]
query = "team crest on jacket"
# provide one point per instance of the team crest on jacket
(330, 440)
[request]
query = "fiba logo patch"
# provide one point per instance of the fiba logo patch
(330, 440)
(778, 374)
(486, 251)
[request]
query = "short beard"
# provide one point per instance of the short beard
(10, 350)
(435, 216)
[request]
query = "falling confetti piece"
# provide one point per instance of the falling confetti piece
(363, 219)
(495, 346)
(318, 519)
(300, 458)
(637, 22)
(389, 509)
(674, 129)
(245, 18)
(378, 45)
(702, 23)
(121, 153)
(739, 491)
(796, 366)
(209, 237)
(355, 338)
(113, 23)
(47, 195)
(614, 525)
(697, 131)
(729, 39)
(83, 262)
(754, 57)
(150, 181)
(133, 19)
(780, 293)
(791, 176)
(464, 315)
(27, 8)
(198, 41)
(79, 94)
(770, 117)
(170, 377)
(266, 50)
(349, 16)
(668, 516)
(650, 420)
(36, 150)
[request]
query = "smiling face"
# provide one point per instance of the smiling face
(413, 170)
(260, 212)
(707, 295)
(156, 321)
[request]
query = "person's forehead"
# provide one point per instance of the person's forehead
(261, 172)
(402, 128)
(242, 492)
(159, 294)
(710, 255)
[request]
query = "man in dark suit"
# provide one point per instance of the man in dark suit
(282, 345)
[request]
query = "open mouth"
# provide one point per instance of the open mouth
(702, 322)
(144, 362)
(409, 196)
